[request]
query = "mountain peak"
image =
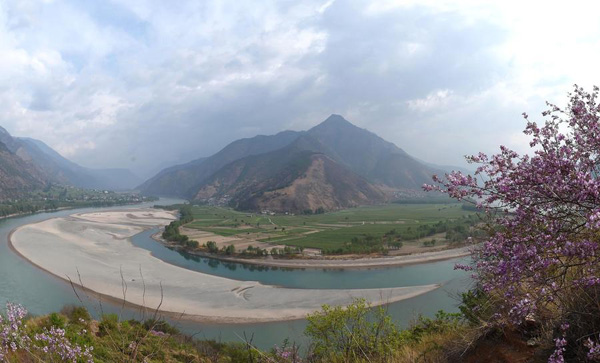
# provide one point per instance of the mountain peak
(336, 120)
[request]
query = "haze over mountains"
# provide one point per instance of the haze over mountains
(331, 166)
(27, 164)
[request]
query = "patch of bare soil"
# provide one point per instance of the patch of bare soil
(241, 242)
(511, 347)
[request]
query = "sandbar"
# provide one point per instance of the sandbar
(347, 263)
(96, 249)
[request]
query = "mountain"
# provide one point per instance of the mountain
(74, 174)
(333, 165)
(54, 168)
(370, 156)
(17, 176)
(181, 180)
(289, 179)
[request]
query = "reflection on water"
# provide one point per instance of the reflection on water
(232, 266)
(314, 278)
(42, 293)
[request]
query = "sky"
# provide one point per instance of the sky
(145, 84)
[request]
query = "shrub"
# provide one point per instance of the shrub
(108, 323)
(423, 326)
(56, 320)
(76, 313)
(352, 333)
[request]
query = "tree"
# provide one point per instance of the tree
(229, 250)
(544, 210)
(396, 244)
(212, 247)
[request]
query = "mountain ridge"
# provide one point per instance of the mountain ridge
(242, 174)
(54, 168)
(179, 179)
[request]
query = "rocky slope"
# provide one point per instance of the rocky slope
(17, 176)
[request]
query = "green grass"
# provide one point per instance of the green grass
(385, 213)
(227, 231)
(333, 229)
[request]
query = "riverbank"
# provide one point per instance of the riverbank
(22, 214)
(75, 207)
(331, 263)
(97, 247)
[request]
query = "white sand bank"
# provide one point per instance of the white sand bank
(97, 245)
(356, 263)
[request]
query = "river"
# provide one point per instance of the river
(41, 293)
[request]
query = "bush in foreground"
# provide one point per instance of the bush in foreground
(357, 333)
(543, 254)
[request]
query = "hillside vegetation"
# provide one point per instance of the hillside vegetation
(354, 334)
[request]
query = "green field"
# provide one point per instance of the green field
(410, 222)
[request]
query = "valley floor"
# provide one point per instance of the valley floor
(94, 250)
(400, 234)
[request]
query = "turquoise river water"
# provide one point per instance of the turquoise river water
(41, 293)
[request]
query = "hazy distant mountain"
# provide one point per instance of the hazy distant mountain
(64, 171)
(180, 180)
(17, 176)
(449, 168)
(54, 168)
(333, 165)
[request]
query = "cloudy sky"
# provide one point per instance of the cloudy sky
(146, 83)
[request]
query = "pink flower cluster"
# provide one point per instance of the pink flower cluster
(286, 354)
(544, 207)
(12, 330)
(13, 337)
(594, 350)
(55, 342)
(558, 354)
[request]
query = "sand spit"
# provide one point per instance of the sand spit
(97, 247)
(348, 263)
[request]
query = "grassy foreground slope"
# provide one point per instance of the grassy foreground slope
(355, 333)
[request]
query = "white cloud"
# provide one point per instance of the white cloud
(147, 80)
(70, 149)
(433, 101)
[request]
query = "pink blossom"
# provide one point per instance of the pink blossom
(544, 210)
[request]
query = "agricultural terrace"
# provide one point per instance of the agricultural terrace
(388, 229)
